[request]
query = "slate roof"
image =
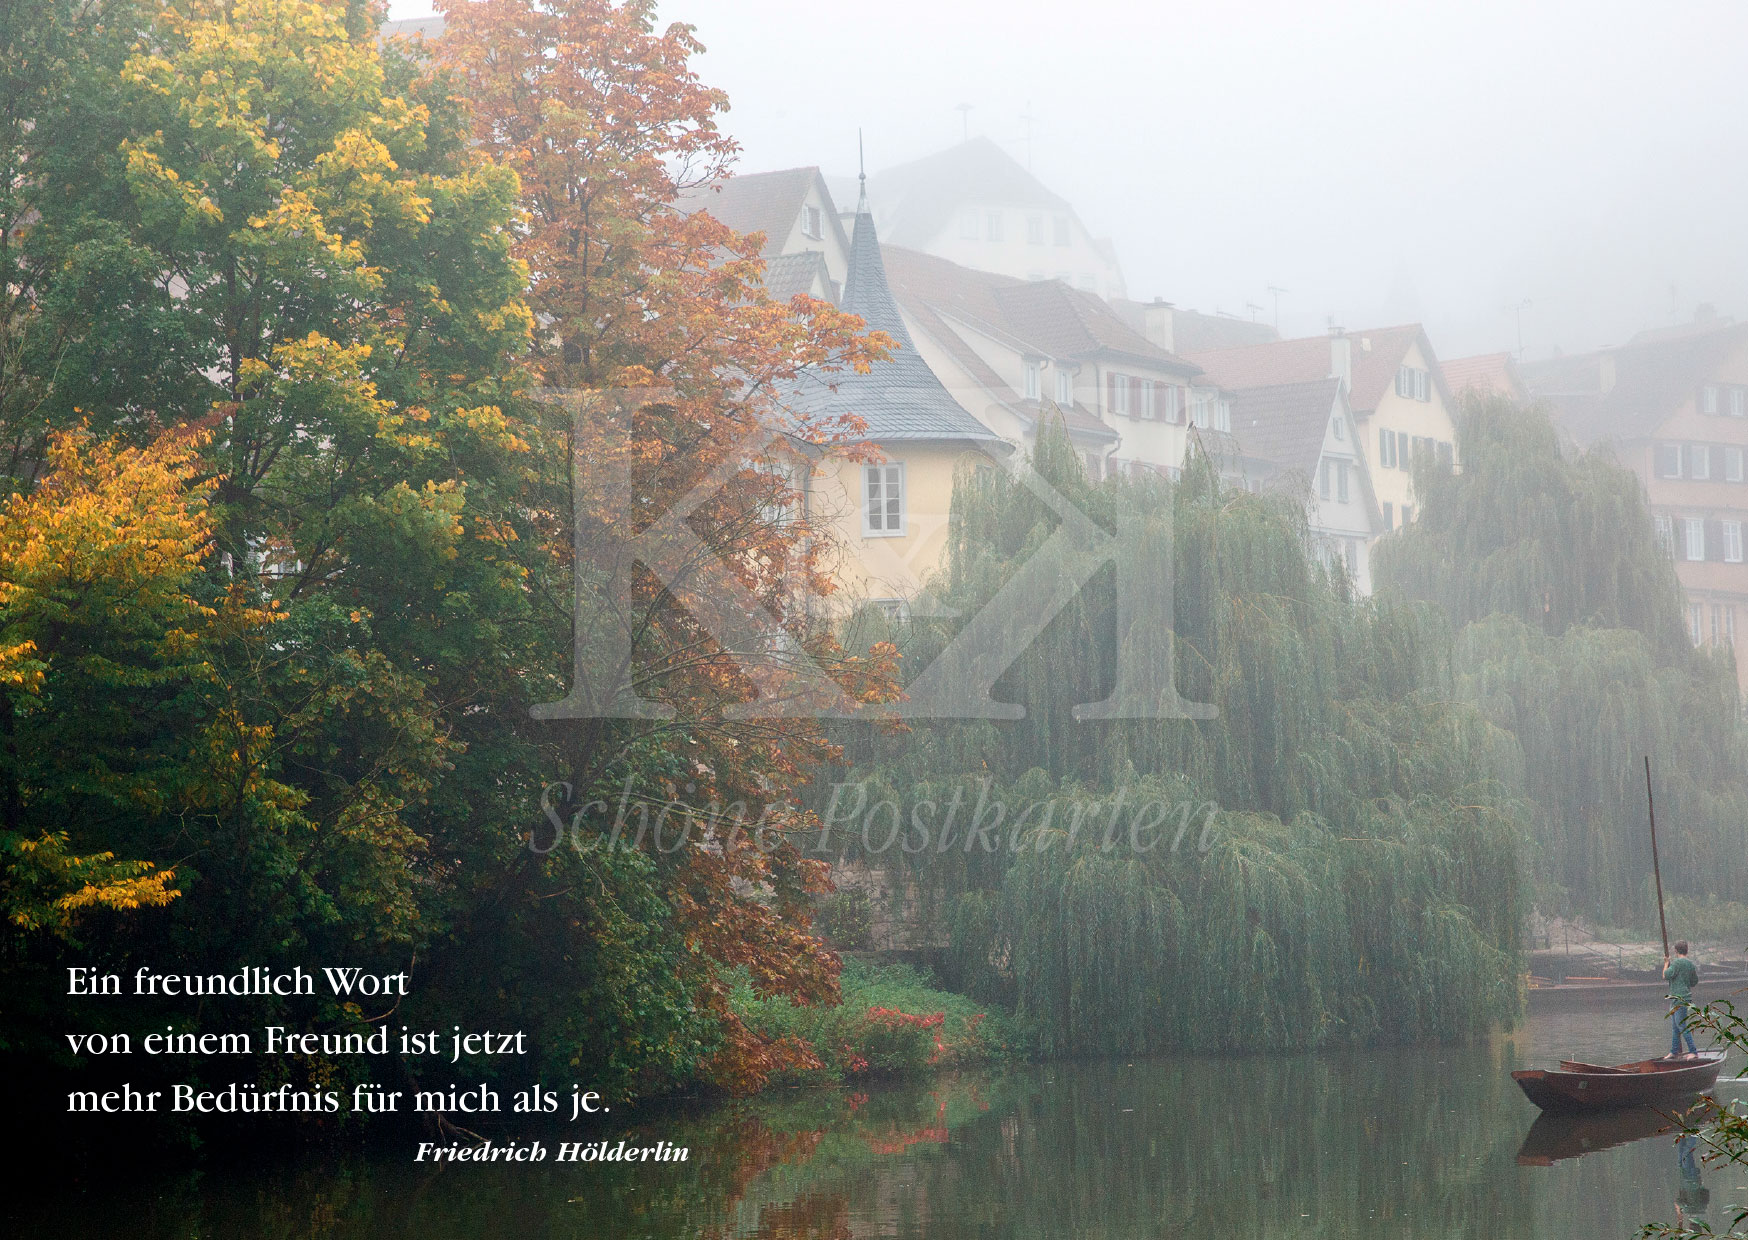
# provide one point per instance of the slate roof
(1307, 358)
(1652, 379)
(803, 272)
(1284, 424)
(898, 399)
(762, 202)
(920, 198)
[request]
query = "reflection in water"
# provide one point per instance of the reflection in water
(1556, 1136)
(1405, 1143)
(1692, 1198)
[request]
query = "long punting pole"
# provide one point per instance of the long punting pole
(1656, 869)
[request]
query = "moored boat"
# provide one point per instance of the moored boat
(1578, 1086)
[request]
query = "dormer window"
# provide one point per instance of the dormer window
(1032, 380)
(1064, 386)
(813, 223)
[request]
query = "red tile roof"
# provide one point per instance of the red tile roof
(1377, 356)
(1490, 374)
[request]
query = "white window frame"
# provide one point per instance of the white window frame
(1034, 229)
(1708, 398)
(1222, 414)
(1696, 623)
(1679, 452)
(970, 224)
(1664, 525)
(1335, 427)
(993, 225)
(1118, 387)
(1702, 461)
(879, 483)
(1693, 538)
(1172, 403)
(1732, 542)
(1149, 400)
(1341, 482)
(1064, 386)
(1732, 464)
(1738, 402)
(1034, 389)
(813, 222)
(1386, 448)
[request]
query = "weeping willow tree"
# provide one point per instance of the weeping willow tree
(1569, 637)
(1344, 866)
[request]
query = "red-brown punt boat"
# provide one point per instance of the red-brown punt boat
(1592, 1087)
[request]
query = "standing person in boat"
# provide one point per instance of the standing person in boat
(1682, 975)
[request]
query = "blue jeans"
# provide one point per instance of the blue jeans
(1678, 1029)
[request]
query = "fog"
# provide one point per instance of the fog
(1379, 161)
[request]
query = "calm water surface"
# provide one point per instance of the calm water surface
(1390, 1144)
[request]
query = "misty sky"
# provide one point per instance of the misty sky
(1380, 161)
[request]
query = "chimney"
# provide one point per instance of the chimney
(1341, 358)
(1605, 373)
(1157, 324)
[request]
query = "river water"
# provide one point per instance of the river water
(1399, 1143)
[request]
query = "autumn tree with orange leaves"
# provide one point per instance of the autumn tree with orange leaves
(603, 120)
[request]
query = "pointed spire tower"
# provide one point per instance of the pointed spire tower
(898, 399)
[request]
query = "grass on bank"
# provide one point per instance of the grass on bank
(894, 1021)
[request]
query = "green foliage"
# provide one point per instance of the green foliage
(1569, 639)
(894, 1020)
(1360, 878)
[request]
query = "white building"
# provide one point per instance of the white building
(975, 205)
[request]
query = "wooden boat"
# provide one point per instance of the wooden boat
(1579, 1086)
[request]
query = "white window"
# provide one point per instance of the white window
(1335, 427)
(883, 500)
(1171, 402)
(1668, 460)
(1665, 534)
(1064, 386)
(1695, 618)
(1695, 529)
(1324, 471)
(1032, 380)
(812, 222)
(1061, 229)
(993, 221)
(1729, 625)
(1341, 481)
(1201, 409)
(970, 224)
(1119, 385)
(1149, 403)
(1034, 230)
(1732, 464)
(1733, 542)
(1423, 385)
(1413, 383)
(1702, 462)
(1708, 399)
(1223, 415)
(1738, 402)
(1386, 449)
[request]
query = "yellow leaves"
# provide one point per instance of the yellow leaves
(50, 885)
(488, 424)
(108, 525)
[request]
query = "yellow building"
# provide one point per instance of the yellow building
(889, 511)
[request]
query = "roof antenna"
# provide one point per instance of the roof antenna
(861, 174)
